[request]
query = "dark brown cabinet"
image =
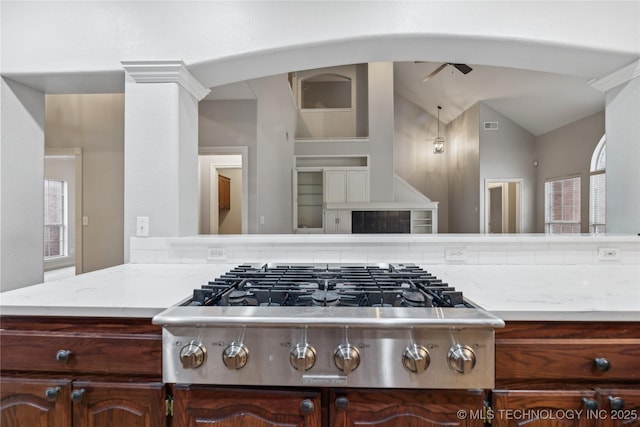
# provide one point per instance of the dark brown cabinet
(35, 402)
(407, 408)
(561, 374)
(207, 406)
(80, 372)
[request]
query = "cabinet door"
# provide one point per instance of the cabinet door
(337, 221)
(541, 408)
(357, 186)
(211, 407)
(335, 183)
(417, 408)
(115, 404)
(34, 402)
(621, 407)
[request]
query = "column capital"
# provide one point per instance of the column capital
(618, 77)
(165, 72)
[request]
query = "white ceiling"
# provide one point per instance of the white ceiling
(539, 102)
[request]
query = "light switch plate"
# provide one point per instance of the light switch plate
(142, 226)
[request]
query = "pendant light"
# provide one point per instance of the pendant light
(438, 143)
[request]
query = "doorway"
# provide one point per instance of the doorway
(223, 190)
(63, 212)
(503, 206)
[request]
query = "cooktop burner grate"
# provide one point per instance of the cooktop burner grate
(385, 285)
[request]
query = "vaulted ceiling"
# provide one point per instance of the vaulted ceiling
(537, 101)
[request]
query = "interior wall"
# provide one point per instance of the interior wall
(326, 123)
(233, 123)
(413, 156)
(381, 131)
(507, 152)
(22, 121)
(276, 121)
(231, 219)
(64, 169)
(623, 153)
(94, 123)
(462, 148)
(565, 152)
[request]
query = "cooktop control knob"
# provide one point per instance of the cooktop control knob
(235, 356)
(347, 358)
(461, 358)
(302, 357)
(416, 358)
(192, 355)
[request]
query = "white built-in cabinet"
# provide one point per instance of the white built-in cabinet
(424, 221)
(337, 221)
(346, 185)
(308, 197)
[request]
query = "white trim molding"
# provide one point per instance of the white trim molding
(617, 78)
(165, 72)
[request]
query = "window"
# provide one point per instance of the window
(55, 230)
(326, 91)
(597, 188)
(562, 205)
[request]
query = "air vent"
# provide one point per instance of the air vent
(490, 125)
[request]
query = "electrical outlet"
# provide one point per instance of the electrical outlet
(142, 226)
(216, 254)
(455, 254)
(608, 254)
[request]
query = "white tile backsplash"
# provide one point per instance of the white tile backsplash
(478, 249)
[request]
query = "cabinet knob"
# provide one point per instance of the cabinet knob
(589, 404)
(62, 356)
(307, 406)
(52, 393)
(616, 403)
(342, 403)
(77, 395)
(602, 364)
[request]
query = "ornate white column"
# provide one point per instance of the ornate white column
(161, 148)
(622, 127)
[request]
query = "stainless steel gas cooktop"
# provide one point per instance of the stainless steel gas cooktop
(381, 326)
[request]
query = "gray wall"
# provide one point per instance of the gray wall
(275, 128)
(462, 149)
(567, 151)
(94, 123)
(623, 158)
(233, 123)
(381, 130)
(507, 152)
(413, 156)
(21, 185)
(341, 123)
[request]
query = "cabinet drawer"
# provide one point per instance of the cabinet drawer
(88, 352)
(522, 359)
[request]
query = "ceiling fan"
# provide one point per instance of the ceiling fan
(463, 68)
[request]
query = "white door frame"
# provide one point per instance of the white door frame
(243, 151)
(76, 153)
(489, 182)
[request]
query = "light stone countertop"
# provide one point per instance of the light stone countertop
(512, 292)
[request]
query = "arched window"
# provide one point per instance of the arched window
(597, 188)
